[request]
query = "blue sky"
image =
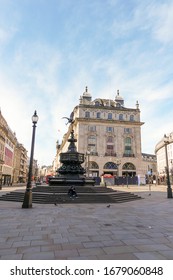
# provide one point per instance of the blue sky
(50, 50)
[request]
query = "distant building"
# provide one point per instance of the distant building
(161, 157)
(109, 134)
(45, 171)
(150, 166)
(13, 156)
(8, 142)
(20, 164)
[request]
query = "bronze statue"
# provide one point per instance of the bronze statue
(70, 120)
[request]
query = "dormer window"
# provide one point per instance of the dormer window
(97, 103)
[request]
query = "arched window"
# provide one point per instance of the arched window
(98, 115)
(110, 165)
(109, 116)
(128, 146)
(121, 117)
(129, 170)
(110, 146)
(92, 143)
(87, 114)
(128, 166)
(131, 118)
(93, 165)
(110, 139)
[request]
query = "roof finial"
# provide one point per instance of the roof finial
(117, 91)
(137, 105)
(86, 89)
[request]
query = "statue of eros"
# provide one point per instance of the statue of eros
(70, 119)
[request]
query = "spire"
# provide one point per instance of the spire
(137, 105)
(86, 96)
(118, 99)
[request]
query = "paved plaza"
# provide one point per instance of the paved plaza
(141, 229)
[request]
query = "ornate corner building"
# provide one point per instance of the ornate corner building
(109, 134)
(160, 150)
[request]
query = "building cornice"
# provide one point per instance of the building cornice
(161, 144)
(101, 107)
(101, 121)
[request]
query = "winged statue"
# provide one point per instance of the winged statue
(70, 119)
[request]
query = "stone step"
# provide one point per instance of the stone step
(79, 189)
(62, 198)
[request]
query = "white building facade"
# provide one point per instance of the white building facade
(165, 143)
(109, 134)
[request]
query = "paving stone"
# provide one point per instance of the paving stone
(91, 251)
(12, 257)
(83, 258)
(5, 245)
(71, 246)
(7, 251)
(66, 253)
(14, 239)
(134, 230)
(137, 241)
(153, 247)
(60, 240)
(168, 254)
(74, 239)
(125, 256)
(3, 239)
(119, 249)
(149, 256)
(92, 244)
(21, 243)
(100, 237)
(31, 237)
(39, 256)
(47, 248)
(41, 242)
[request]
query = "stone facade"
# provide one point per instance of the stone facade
(109, 134)
(13, 157)
(165, 143)
(20, 164)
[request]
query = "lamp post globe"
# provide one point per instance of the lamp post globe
(27, 202)
(35, 118)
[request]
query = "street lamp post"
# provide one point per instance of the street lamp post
(27, 202)
(169, 189)
(118, 164)
(88, 162)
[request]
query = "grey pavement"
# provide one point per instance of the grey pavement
(136, 230)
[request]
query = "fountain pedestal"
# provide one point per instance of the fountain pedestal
(71, 172)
